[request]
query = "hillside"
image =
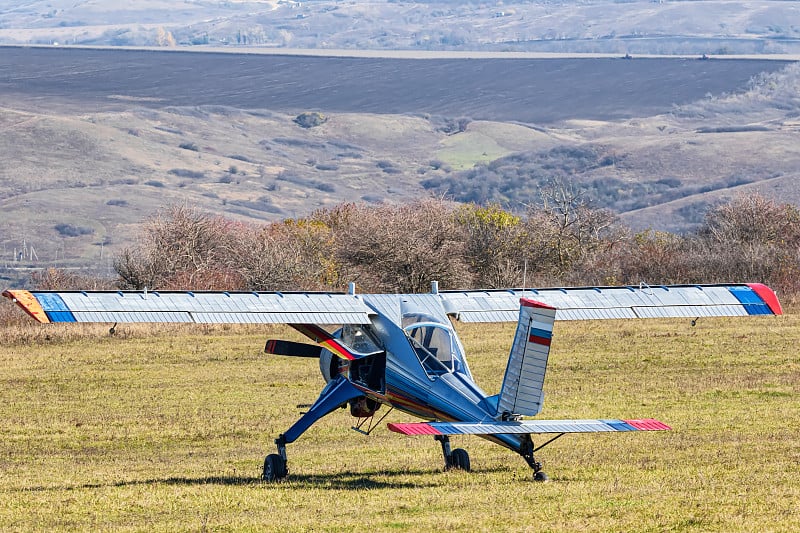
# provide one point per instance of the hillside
(77, 175)
(604, 26)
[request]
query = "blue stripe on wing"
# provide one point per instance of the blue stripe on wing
(751, 301)
(54, 307)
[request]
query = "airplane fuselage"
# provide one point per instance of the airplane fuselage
(418, 383)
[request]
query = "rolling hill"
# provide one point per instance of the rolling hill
(79, 170)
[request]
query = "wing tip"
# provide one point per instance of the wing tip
(769, 297)
(28, 303)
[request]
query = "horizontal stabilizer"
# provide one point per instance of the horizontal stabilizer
(527, 426)
(292, 349)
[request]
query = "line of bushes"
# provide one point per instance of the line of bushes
(401, 248)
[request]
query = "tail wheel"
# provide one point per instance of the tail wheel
(459, 459)
(274, 468)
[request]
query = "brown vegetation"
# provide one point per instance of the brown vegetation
(403, 248)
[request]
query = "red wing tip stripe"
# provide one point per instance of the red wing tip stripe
(648, 424)
(769, 297)
(419, 428)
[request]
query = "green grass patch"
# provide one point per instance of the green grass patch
(166, 430)
(484, 142)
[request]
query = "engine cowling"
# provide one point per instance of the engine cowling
(329, 365)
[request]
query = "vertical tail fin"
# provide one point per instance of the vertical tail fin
(521, 393)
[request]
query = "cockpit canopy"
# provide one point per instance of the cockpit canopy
(435, 344)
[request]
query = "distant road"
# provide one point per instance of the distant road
(531, 90)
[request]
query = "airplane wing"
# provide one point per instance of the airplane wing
(594, 303)
(527, 426)
(192, 307)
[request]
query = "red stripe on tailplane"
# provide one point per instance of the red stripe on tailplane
(416, 428)
(769, 297)
(648, 424)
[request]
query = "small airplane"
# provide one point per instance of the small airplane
(401, 350)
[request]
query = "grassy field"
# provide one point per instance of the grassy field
(166, 430)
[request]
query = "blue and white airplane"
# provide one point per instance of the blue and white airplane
(401, 351)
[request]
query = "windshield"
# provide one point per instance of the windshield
(358, 339)
(436, 347)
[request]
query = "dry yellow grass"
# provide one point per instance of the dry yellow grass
(166, 430)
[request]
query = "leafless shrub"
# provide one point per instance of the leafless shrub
(752, 219)
(571, 229)
(294, 255)
(755, 239)
(178, 246)
(399, 248)
(58, 279)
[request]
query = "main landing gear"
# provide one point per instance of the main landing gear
(275, 468)
(336, 393)
(453, 459)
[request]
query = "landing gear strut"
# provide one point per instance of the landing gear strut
(527, 454)
(458, 458)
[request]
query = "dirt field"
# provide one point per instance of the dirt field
(525, 90)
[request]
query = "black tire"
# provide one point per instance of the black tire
(274, 468)
(459, 458)
(541, 477)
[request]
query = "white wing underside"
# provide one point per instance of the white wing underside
(604, 303)
(337, 308)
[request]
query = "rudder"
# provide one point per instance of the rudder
(521, 393)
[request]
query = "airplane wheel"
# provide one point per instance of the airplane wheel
(540, 477)
(459, 458)
(274, 468)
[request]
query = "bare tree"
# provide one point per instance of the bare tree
(570, 227)
(493, 242)
(178, 246)
(401, 248)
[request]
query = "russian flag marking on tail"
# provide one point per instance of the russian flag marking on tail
(540, 336)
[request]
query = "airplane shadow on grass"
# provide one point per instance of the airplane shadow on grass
(346, 480)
